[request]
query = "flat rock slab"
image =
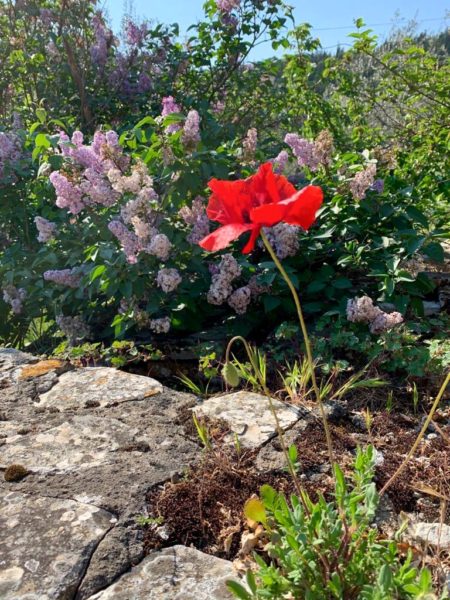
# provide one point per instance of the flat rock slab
(176, 573)
(98, 386)
(80, 443)
(46, 545)
(10, 359)
(433, 534)
(248, 416)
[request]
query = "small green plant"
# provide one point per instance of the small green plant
(415, 398)
(390, 401)
(203, 432)
(329, 550)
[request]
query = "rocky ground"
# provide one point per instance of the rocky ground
(83, 451)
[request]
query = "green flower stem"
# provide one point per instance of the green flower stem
(307, 343)
(272, 408)
(419, 437)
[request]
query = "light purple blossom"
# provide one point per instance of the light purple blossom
(284, 238)
(362, 310)
(135, 34)
(249, 144)
(240, 299)
(168, 280)
(160, 246)
(169, 106)
(68, 277)
(303, 150)
(378, 186)
(196, 217)
(227, 6)
(46, 229)
(161, 325)
(362, 181)
(128, 240)
(280, 162)
(191, 129)
(385, 321)
(14, 297)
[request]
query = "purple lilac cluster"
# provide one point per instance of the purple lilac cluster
(304, 151)
(14, 297)
(161, 325)
(191, 129)
(83, 181)
(362, 181)
(227, 6)
(311, 154)
(284, 238)
(196, 217)
(74, 328)
(249, 144)
(169, 106)
(221, 288)
(104, 38)
(363, 310)
(168, 280)
(135, 34)
(240, 299)
(378, 186)
(68, 277)
(46, 229)
(280, 162)
(139, 214)
(10, 151)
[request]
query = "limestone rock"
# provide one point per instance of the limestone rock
(249, 416)
(176, 573)
(99, 386)
(81, 443)
(433, 534)
(46, 545)
(40, 368)
(9, 360)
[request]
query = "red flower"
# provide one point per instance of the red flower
(262, 200)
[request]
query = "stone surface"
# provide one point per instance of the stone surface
(249, 416)
(46, 545)
(40, 368)
(176, 573)
(105, 451)
(9, 360)
(101, 386)
(81, 443)
(433, 534)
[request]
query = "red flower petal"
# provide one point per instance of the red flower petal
(222, 237)
(267, 187)
(302, 207)
(299, 209)
(228, 201)
(249, 246)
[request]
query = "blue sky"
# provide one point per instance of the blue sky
(332, 19)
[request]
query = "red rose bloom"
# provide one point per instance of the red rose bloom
(262, 200)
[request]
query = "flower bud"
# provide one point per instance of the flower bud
(230, 374)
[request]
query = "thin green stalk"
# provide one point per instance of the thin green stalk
(272, 408)
(419, 437)
(307, 343)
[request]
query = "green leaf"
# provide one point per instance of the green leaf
(435, 251)
(268, 495)
(251, 581)
(42, 141)
(41, 114)
(255, 511)
(97, 272)
(238, 590)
